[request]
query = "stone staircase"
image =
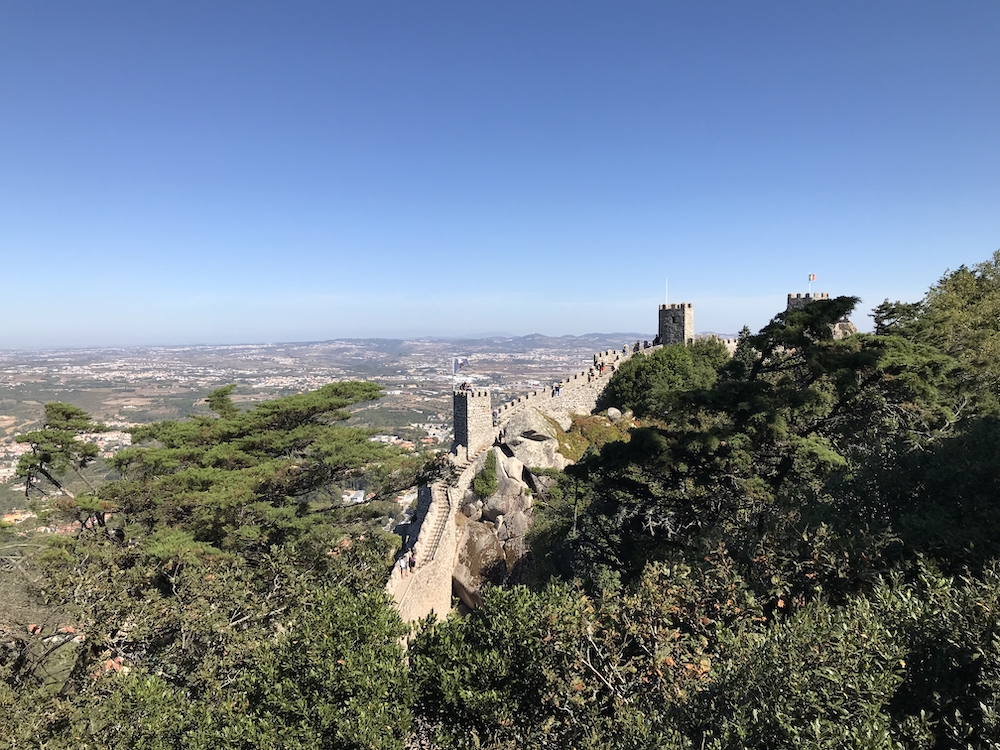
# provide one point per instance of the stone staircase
(437, 517)
(434, 537)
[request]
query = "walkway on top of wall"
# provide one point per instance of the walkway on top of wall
(545, 396)
(428, 588)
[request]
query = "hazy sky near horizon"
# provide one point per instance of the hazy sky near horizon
(222, 172)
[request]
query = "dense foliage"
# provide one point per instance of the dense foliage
(55, 448)
(795, 547)
(225, 602)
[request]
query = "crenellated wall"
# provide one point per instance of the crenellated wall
(676, 323)
(843, 327)
(798, 301)
(434, 533)
(473, 420)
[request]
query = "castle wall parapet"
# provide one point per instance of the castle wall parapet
(797, 300)
(434, 534)
(729, 343)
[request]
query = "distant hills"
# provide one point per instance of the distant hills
(498, 342)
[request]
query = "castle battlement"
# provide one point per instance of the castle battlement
(676, 324)
(473, 419)
(727, 342)
(798, 300)
(472, 394)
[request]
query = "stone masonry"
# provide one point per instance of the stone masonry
(428, 587)
(841, 328)
(434, 535)
(799, 301)
(473, 421)
(676, 324)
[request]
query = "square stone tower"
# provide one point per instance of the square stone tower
(841, 328)
(473, 420)
(676, 323)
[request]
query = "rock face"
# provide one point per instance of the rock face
(532, 439)
(493, 543)
(494, 535)
(480, 555)
(512, 496)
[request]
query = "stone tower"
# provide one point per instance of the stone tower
(473, 420)
(676, 323)
(799, 301)
(841, 328)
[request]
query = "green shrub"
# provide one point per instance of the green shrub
(485, 483)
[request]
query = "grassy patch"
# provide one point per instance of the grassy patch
(571, 445)
(588, 430)
(485, 483)
(599, 430)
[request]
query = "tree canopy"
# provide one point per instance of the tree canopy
(234, 604)
(797, 546)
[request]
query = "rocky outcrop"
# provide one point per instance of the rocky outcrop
(531, 437)
(480, 553)
(484, 536)
(493, 540)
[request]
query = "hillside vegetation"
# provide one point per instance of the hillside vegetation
(796, 547)
(212, 597)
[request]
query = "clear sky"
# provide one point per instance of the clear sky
(222, 172)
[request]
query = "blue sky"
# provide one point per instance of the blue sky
(182, 172)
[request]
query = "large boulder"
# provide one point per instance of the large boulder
(532, 439)
(500, 505)
(473, 510)
(512, 467)
(543, 482)
(516, 524)
(509, 486)
(512, 493)
(480, 553)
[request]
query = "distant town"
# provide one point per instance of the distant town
(123, 387)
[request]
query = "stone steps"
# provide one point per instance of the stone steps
(438, 516)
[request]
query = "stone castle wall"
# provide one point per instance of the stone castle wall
(841, 328)
(434, 542)
(435, 535)
(799, 301)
